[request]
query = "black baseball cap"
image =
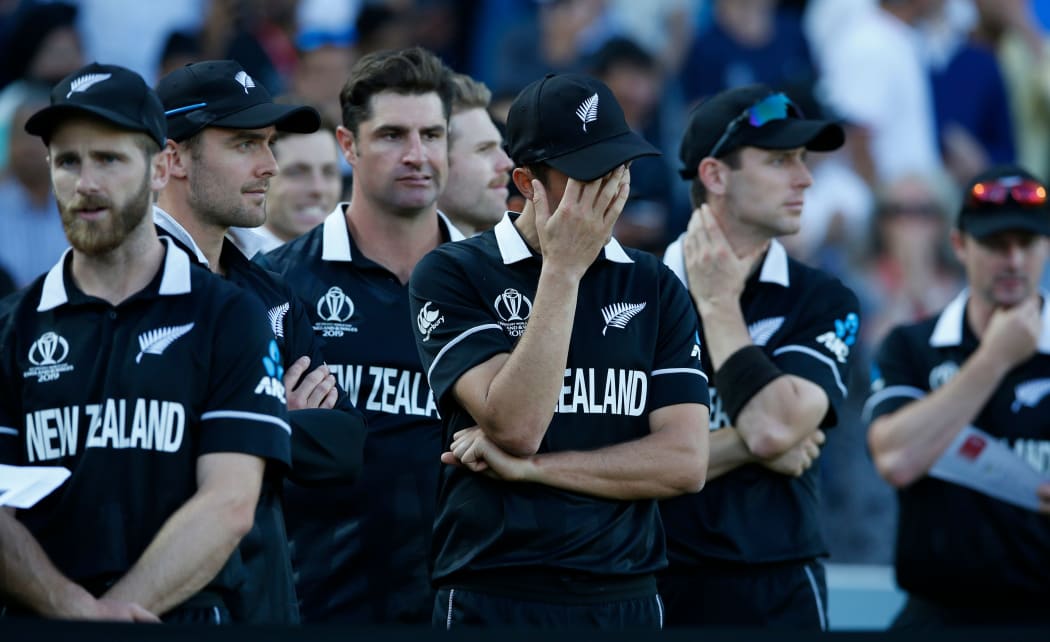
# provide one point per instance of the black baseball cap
(220, 93)
(712, 118)
(1005, 197)
(573, 123)
(114, 94)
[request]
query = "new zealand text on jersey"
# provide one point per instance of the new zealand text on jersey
(623, 392)
(146, 424)
(390, 390)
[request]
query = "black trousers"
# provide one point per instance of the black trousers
(790, 595)
(458, 608)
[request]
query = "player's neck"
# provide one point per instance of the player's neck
(120, 273)
(745, 241)
(208, 238)
(396, 242)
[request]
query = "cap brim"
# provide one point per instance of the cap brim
(594, 161)
(47, 119)
(297, 119)
(980, 226)
(789, 133)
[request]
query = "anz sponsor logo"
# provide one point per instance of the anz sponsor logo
(428, 320)
(839, 340)
(611, 391)
(272, 383)
(47, 355)
(696, 347)
(513, 309)
(334, 309)
(389, 390)
(117, 424)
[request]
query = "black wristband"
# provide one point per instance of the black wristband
(743, 374)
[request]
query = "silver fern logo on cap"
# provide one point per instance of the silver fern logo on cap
(86, 82)
(588, 111)
(244, 80)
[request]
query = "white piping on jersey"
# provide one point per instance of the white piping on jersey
(774, 266)
(4, 430)
(664, 371)
(949, 329)
(176, 278)
(816, 355)
(250, 416)
(910, 392)
(816, 597)
(448, 619)
(512, 248)
(336, 235)
(660, 608)
(463, 335)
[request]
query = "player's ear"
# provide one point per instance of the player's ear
(522, 178)
(178, 158)
(160, 169)
(346, 140)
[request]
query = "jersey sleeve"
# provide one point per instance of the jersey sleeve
(245, 410)
(453, 328)
(894, 377)
(821, 347)
(677, 375)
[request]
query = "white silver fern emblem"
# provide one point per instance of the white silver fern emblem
(276, 315)
(245, 80)
(618, 314)
(1030, 393)
(762, 331)
(86, 82)
(588, 111)
(156, 341)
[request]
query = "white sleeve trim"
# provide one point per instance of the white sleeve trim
(910, 392)
(4, 430)
(819, 357)
(664, 371)
(463, 335)
(250, 416)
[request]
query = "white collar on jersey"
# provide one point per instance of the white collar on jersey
(247, 241)
(774, 266)
(336, 235)
(176, 279)
(512, 246)
(949, 329)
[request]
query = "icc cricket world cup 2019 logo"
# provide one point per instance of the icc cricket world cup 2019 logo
(47, 355)
(334, 309)
(513, 309)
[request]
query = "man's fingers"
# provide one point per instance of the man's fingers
(139, 614)
(819, 437)
(331, 398)
(606, 191)
(295, 372)
(539, 202)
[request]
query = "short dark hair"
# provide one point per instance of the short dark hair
(697, 191)
(405, 71)
(621, 51)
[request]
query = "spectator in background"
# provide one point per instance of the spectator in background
(636, 79)
(972, 113)
(746, 42)
(180, 49)
(874, 77)
(322, 68)
(42, 44)
(475, 196)
(1012, 31)
(31, 236)
(909, 272)
(307, 188)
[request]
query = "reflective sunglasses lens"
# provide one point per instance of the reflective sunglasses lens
(1029, 193)
(1025, 192)
(773, 107)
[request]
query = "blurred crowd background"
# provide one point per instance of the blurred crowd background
(931, 92)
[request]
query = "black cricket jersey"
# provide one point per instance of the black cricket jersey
(633, 350)
(956, 546)
(128, 397)
(807, 322)
(360, 550)
(269, 597)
